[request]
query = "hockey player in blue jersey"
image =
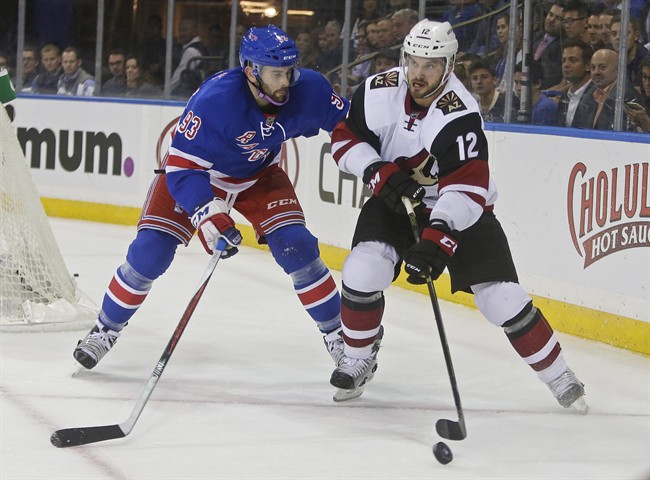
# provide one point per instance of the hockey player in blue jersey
(225, 154)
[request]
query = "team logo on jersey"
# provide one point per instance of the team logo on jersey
(245, 137)
(450, 103)
(388, 79)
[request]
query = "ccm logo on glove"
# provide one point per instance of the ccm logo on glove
(389, 183)
(445, 241)
(429, 257)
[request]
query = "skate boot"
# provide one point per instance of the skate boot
(352, 374)
(569, 391)
(94, 346)
(334, 344)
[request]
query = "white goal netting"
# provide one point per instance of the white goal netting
(36, 290)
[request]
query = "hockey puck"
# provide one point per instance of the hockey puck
(56, 440)
(442, 453)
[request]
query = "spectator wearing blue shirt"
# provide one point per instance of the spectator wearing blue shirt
(543, 109)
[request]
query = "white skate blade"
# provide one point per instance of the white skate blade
(342, 395)
(580, 405)
(77, 368)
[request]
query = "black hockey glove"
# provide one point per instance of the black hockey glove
(429, 257)
(389, 183)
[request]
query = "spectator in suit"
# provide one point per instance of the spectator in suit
(597, 105)
(576, 70)
(547, 48)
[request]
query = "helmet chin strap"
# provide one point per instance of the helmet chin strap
(261, 94)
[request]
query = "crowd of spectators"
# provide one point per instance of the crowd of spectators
(52, 70)
(572, 75)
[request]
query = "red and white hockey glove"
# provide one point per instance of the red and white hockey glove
(211, 222)
(429, 257)
(388, 182)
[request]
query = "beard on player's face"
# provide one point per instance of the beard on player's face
(424, 75)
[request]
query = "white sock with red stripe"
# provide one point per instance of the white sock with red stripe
(361, 315)
(535, 341)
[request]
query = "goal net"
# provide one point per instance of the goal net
(36, 290)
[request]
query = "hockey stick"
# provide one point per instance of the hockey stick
(71, 437)
(446, 428)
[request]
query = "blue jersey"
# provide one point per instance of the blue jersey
(224, 139)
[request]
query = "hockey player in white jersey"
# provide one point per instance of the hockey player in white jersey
(416, 132)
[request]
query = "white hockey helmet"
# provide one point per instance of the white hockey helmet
(429, 39)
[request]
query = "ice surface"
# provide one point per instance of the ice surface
(246, 393)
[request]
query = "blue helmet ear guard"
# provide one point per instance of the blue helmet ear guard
(268, 46)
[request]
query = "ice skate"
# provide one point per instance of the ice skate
(94, 346)
(334, 344)
(353, 374)
(569, 391)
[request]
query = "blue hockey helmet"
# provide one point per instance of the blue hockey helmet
(268, 46)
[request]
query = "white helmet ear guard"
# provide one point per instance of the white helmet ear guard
(429, 39)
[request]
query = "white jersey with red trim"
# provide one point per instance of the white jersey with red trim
(443, 147)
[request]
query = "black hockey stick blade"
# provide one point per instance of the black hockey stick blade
(72, 437)
(451, 430)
